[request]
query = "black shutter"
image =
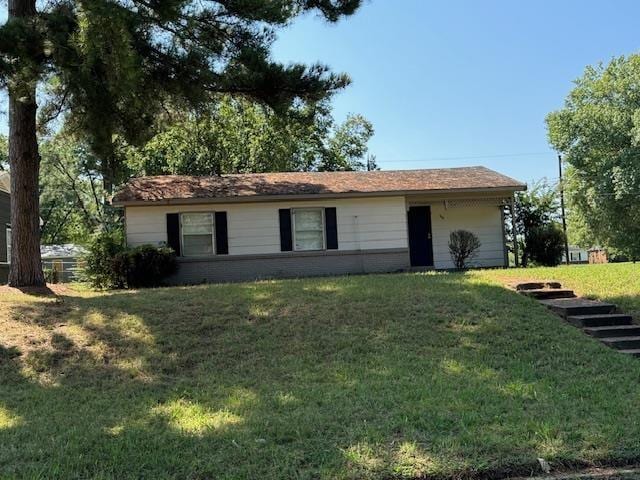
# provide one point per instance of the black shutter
(286, 240)
(331, 228)
(222, 237)
(173, 232)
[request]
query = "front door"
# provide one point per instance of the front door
(420, 243)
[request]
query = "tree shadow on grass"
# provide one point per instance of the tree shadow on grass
(44, 291)
(357, 376)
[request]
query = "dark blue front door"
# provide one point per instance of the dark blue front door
(420, 243)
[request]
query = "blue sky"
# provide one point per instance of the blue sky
(449, 80)
(461, 82)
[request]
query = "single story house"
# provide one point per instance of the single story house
(5, 226)
(248, 226)
(576, 255)
(62, 261)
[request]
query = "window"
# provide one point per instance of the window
(8, 233)
(197, 234)
(308, 229)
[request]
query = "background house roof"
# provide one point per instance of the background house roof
(67, 250)
(5, 182)
(246, 186)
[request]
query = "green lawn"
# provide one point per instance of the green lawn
(615, 282)
(355, 377)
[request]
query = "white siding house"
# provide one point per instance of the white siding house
(253, 228)
(576, 255)
(238, 227)
(485, 221)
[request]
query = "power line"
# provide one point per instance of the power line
(470, 157)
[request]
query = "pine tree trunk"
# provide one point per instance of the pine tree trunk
(24, 161)
(107, 180)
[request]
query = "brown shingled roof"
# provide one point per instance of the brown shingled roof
(254, 186)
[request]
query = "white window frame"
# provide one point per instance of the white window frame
(8, 239)
(213, 234)
(293, 228)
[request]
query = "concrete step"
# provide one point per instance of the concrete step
(622, 343)
(614, 331)
(547, 293)
(536, 285)
(603, 320)
(634, 352)
(567, 307)
(598, 319)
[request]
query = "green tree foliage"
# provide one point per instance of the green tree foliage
(115, 65)
(347, 148)
(598, 132)
(545, 244)
(578, 229)
(4, 153)
(112, 66)
(99, 269)
(240, 136)
(71, 195)
(537, 207)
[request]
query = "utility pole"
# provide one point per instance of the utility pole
(371, 163)
(564, 219)
(515, 234)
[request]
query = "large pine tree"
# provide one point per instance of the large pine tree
(111, 66)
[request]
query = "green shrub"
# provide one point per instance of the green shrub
(144, 266)
(463, 246)
(50, 275)
(110, 264)
(546, 245)
(98, 268)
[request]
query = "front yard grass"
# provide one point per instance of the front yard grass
(356, 377)
(618, 283)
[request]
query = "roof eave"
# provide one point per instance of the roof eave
(312, 196)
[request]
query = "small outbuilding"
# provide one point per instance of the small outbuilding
(62, 262)
(576, 255)
(598, 255)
